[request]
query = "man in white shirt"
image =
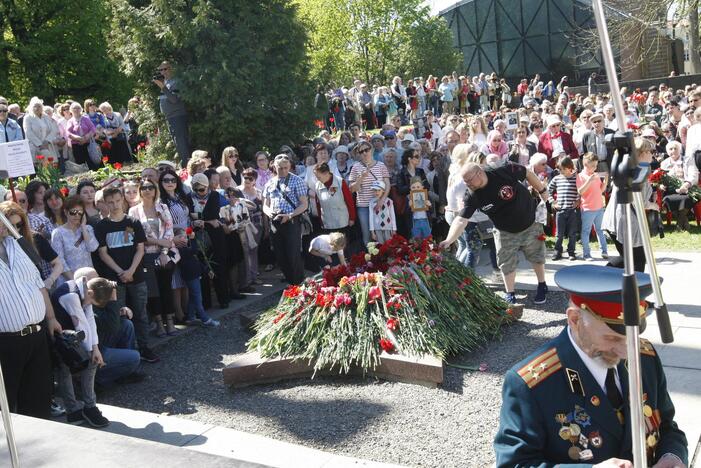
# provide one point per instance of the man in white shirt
(567, 403)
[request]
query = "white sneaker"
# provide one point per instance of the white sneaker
(211, 323)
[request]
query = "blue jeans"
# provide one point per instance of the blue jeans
(566, 220)
(420, 229)
(462, 240)
(65, 390)
(135, 296)
(594, 218)
(194, 302)
(121, 360)
(364, 220)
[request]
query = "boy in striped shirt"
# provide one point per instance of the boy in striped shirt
(566, 205)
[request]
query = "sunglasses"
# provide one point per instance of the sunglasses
(247, 178)
(75, 212)
(201, 189)
(3, 111)
(390, 138)
(169, 180)
(148, 187)
(363, 151)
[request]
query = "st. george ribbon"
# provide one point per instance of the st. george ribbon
(629, 178)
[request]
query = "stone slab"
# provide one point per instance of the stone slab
(252, 369)
(50, 444)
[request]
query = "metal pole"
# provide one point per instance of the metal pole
(632, 331)
(7, 423)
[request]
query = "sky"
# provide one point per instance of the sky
(438, 5)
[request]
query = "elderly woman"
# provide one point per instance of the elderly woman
(158, 262)
(361, 178)
(615, 219)
(392, 165)
(97, 119)
(521, 149)
(230, 158)
(334, 201)
(249, 189)
(677, 201)
(39, 131)
(263, 169)
(57, 134)
(115, 130)
(80, 131)
(343, 162)
(74, 241)
(495, 145)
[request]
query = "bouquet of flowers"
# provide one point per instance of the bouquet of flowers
(402, 296)
(661, 177)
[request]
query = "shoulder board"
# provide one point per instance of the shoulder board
(540, 368)
(646, 348)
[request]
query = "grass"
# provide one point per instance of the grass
(673, 241)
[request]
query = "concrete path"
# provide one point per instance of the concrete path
(681, 290)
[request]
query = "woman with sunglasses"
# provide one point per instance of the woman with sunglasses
(230, 158)
(158, 227)
(179, 203)
(521, 149)
(74, 241)
(361, 178)
(50, 267)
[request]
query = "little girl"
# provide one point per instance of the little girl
(327, 245)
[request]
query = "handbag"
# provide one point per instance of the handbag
(69, 350)
(94, 152)
(307, 227)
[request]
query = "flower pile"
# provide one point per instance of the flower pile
(402, 296)
(660, 177)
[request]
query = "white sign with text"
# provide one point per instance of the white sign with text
(16, 159)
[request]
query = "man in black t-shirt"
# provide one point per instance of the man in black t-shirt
(121, 240)
(500, 194)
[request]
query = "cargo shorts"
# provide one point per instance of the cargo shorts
(529, 242)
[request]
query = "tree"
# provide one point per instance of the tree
(56, 49)
(375, 39)
(240, 63)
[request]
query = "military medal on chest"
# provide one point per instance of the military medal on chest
(571, 425)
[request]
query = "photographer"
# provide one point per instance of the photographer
(174, 110)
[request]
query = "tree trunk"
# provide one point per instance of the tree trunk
(694, 56)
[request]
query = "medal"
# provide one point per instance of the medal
(561, 418)
(575, 430)
(586, 455)
(651, 440)
(595, 400)
(565, 433)
(595, 439)
(573, 453)
(647, 411)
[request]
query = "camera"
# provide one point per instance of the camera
(158, 76)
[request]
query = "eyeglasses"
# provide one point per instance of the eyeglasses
(75, 212)
(169, 180)
(3, 111)
(363, 151)
(247, 178)
(201, 189)
(148, 187)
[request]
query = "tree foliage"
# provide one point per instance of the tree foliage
(241, 65)
(56, 49)
(374, 40)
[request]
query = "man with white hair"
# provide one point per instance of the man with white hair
(567, 403)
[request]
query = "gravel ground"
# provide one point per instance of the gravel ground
(367, 418)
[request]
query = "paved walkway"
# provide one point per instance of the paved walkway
(681, 292)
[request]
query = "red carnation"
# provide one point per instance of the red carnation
(189, 231)
(392, 323)
(50, 158)
(386, 345)
(40, 157)
(106, 144)
(117, 166)
(541, 237)
(374, 294)
(64, 191)
(292, 291)
(105, 159)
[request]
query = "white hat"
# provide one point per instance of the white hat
(415, 146)
(377, 185)
(340, 149)
(554, 119)
(649, 132)
(199, 179)
(165, 162)
(408, 137)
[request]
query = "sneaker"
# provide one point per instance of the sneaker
(573, 257)
(557, 256)
(510, 298)
(56, 409)
(587, 258)
(604, 255)
(75, 418)
(134, 377)
(540, 294)
(211, 323)
(248, 289)
(148, 355)
(94, 417)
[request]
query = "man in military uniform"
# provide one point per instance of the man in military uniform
(567, 404)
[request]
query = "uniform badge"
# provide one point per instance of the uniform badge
(506, 193)
(586, 455)
(574, 381)
(580, 416)
(595, 400)
(561, 418)
(595, 439)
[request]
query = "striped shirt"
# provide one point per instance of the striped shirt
(378, 171)
(25, 304)
(566, 190)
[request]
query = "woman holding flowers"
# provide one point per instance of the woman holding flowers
(74, 241)
(684, 176)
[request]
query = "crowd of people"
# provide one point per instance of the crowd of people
(461, 159)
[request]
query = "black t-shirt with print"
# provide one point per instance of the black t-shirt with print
(504, 199)
(121, 239)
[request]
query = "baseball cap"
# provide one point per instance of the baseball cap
(377, 185)
(199, 179)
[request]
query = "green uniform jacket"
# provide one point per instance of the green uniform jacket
(555, 413)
